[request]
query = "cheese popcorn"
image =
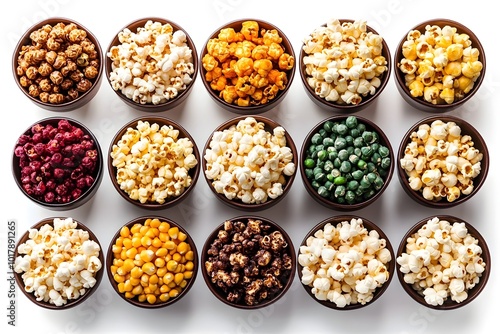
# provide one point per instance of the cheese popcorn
(58, 262)
(153, 162)
(249, 163)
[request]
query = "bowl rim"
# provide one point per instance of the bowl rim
(193, 172)
(369, 225)
(338, 206)
(73, 104)
(215, 291)
(476, 136)
(269, 125)
(448, 304)
(420, 103)
(109, 261)
(70, 303)
(347, 108)
(150, 107)
(251, 109)
(98, 173)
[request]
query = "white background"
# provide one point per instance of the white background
(199, 311)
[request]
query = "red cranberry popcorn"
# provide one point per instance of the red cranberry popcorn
(57, 162)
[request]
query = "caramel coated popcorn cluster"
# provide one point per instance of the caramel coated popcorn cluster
(59, 65)
(247, 67)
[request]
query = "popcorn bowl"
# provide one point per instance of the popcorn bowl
(74, 169)
(325, 93)
(455, 187)
(68, 82)
(448, 289)
(182, 72)
(364, 287)
(256, 184)
(160, 248)
(167, 187)
(464, 88)
(263, 254)
(254, 91)
(88, 274)
(346, 162)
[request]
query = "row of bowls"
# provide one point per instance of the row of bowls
(298, 159)
(200, 262)
(106, 68)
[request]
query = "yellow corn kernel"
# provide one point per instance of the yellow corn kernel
(181, 236)
(151, 233)
(136, 272)
(127, 266)
(113, 269)
(161, 271)
(188, 274)
(168, 278)
(127, 286)
(145, 279)
(189, 255)
(172, 285)
(119, 278)
(173, 232)
(183, 284)
(157, 242)
(153, 279)
(121, 287)
(136, 228)
(131, 253)
(189, 265)
(146, 241)
(142, 298)
(151, 299)
(116, 249)
(173, 293)
(136, 242)
(125, 231)
(161, 252)
(135, 281)
(172, 265)
(147, 255)
(183, 247)
(170, 245)
(177, 257)
(164, 227)
(152, 287)
(137, 290)
(155, 222)
(159, 262)
(149, 268)
(178, 278)
(164, 288)
(164, 297)
(143, 229)
(163, 236)
(118, 262)
(129, 295)
(138, 262)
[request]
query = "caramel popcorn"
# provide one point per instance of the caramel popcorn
(61, 62)
(248, 67)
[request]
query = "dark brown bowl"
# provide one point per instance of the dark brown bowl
(110, 256)
(344, 107)
(479, 143)
(269, 126)
(211, 252)
(66, 105)
(448, 303)
(193, 172)
(69, 302)
(87, 192)
(419, 102)
(150, 106)
(252, 108)
(369, 226)
(331, 201)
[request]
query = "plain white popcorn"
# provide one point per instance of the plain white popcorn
(344, 264)
(249, 163)
(152, 65)
(441, 261)
(344, 61)
(58, 263)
